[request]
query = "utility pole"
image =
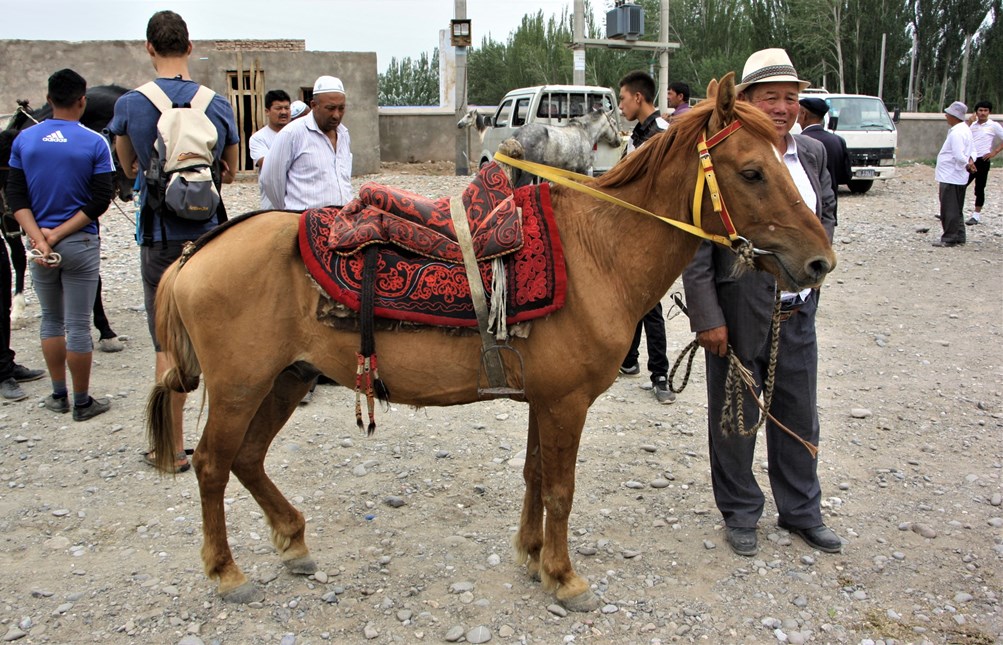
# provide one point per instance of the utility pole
(460, 104)
(911, 101)
(663, 60)
(578, 49)
(881, 72)
(663, 47)
(964, 68)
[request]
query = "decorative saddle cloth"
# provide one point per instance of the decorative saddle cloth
(420, 274)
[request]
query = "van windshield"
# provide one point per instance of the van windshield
(860, 113)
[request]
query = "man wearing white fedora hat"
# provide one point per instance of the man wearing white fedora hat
(310, 162)
(725, 309)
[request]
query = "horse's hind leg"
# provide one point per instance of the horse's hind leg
(287, 523)
(221, 439)
(529, 540)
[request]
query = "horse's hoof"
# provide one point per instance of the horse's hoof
(303, 566)
(585, 601)
(244, 594)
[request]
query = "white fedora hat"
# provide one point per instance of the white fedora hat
(769, 66)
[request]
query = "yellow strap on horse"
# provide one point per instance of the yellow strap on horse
(575, 181)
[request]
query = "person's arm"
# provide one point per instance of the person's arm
(706, 317)
(126, 156)
(229, 165)
(826, 197)
(258, 149)
(102, 190)
(273, 171)
(20, 204)
(997, 134)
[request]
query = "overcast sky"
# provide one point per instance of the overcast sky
(391, 28)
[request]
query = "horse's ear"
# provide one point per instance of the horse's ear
(712, 89)
(724, 98)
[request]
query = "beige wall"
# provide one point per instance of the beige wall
(27, 65)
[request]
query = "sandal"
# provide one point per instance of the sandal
(182, 464)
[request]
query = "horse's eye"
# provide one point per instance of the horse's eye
(752, 175)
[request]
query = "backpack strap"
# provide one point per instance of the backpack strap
(156, 95)
(203, 97)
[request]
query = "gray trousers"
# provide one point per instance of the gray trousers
(952, 205)
(792, 470)
(66, 292)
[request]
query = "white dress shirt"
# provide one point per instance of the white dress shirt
(303, 170)
(808, 196)
(955, 154)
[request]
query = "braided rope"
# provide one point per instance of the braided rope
(732, 413)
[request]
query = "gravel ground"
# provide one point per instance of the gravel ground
(412, 527)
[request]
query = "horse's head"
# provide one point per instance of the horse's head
(757, 190)
(600, 126)
(467, 120)
(759, 193)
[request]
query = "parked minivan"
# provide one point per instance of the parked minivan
(870, 135)
(552, 105)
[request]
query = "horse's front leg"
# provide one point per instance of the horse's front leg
(287, 524)
(528, 541)
(560, 429)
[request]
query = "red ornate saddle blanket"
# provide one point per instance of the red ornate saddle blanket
(385, 215)
(416, 284)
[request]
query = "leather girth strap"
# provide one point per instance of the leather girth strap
(493, 364)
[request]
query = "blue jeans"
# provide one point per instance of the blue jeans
(66, 292)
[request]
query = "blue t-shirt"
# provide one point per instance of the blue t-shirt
(136, 117)
(59, 159)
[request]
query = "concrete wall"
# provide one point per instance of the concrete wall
(426, 134)
(921, 135)
(413, 134)
(27, 65)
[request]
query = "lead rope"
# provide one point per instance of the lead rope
(733, 413)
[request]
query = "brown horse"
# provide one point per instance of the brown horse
(242, 311)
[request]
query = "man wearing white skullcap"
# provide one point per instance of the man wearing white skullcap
(310, 162)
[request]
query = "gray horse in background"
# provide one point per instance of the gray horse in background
(476, 120)
(570, 146)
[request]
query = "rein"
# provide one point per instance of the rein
(705, 176)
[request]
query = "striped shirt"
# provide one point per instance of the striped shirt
(303, 170)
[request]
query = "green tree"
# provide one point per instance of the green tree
(410, 82)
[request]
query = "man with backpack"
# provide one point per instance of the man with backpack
(185, 141)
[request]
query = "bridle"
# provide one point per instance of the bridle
(705, 176)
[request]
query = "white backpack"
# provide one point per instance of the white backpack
(182, 175)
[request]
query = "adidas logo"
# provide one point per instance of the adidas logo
(55, 137)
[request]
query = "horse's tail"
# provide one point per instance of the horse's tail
(182, 376)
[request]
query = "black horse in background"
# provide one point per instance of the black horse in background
(100, 109)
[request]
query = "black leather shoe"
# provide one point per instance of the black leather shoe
(818, 537)
(22, 374)
(742, 541)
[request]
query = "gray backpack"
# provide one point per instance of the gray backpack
(182, 178)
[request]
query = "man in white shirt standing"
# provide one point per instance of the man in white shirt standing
(310, 162)
(985, 133)
(278, 114)
(954, 163)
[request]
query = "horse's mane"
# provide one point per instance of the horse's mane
(684, 132)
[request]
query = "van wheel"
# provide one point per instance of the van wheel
(860, 186)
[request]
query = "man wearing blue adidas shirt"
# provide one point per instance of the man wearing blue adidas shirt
(60, 182)
(135, 124)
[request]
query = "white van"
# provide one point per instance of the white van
(869, 132)
(552, 105)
